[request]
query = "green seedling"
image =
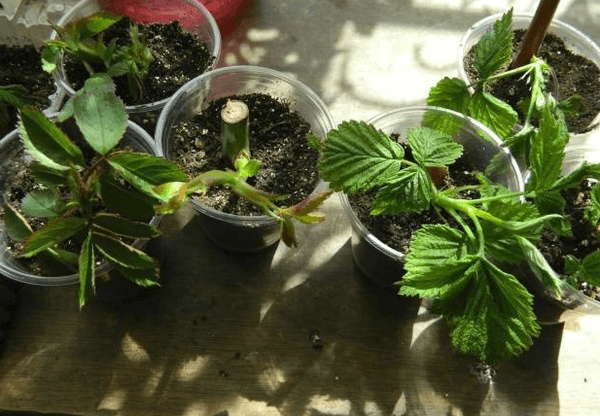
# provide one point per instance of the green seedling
(235, 143)
(466, 264)
(492, 61)
(81, 198)
(83, 39)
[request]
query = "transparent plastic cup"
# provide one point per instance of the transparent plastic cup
(575, 40)
(195, 18)
(235, 232)
(377, 261)
(11, 150)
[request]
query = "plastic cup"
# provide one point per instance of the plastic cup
(377, 261)
(11, 149)
(235, 232)
(193, 16)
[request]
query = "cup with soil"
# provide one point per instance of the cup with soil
(185, 42)
(282, 112)
(15, 183)
(575, 61)
(580, 297)
(20, 64)
(380, 243)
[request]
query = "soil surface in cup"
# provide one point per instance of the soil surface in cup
(396, 231)
(573, 74)
(179, 56)
(21, 65)
(584, 240)
(277, 139)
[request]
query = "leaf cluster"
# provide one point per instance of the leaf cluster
(235, 179)
(467, 264)
(540, 141)
(84, 40)
(81, 197)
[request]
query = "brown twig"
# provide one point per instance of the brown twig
(536, 32)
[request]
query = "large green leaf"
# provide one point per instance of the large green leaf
(494, 113)
(432, 148)
(100, 114)
(97, 23)
(46, 142)
(450, 93)
(547, 151)
(87, 287)
(57, 230)
(48, 176)
(151, 169)
(357, 157)
(492, 317)
(123, 254)
(538, 265)
(410, 191)
(124, 227)
(494, 49)
(436, 262)
(16, 224)
(43, 203)
(139, 206)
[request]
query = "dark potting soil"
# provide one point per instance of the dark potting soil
(584, 240)
(573, 74)
(21, 65)
(179, 56)
(396, 231)
(277, 139)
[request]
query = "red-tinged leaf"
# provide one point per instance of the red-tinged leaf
(124, 227)
(56, 231)
(310, 203)
(87, 286)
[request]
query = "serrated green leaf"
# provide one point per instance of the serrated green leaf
(87, 286)
(100, 114)
(436, 262)
(57, 230)
(124, 227)
(501, 245)
(547, 151)
(46, 142)
(141, 277)
(494, 49)
(16, 225)
(123, 254)
(151, 169)
(494, 113)
(14, 95)
(139, 207)
(43, 203)
(539, 266)
(450, 93)
(590, 268)
(496, 321)
(315, 142)
(410, 191)
(48, 176)
(431, 148)
(51, 55)
(358, 157)
(97, 23)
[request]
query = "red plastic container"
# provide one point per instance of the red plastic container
(225, 12)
